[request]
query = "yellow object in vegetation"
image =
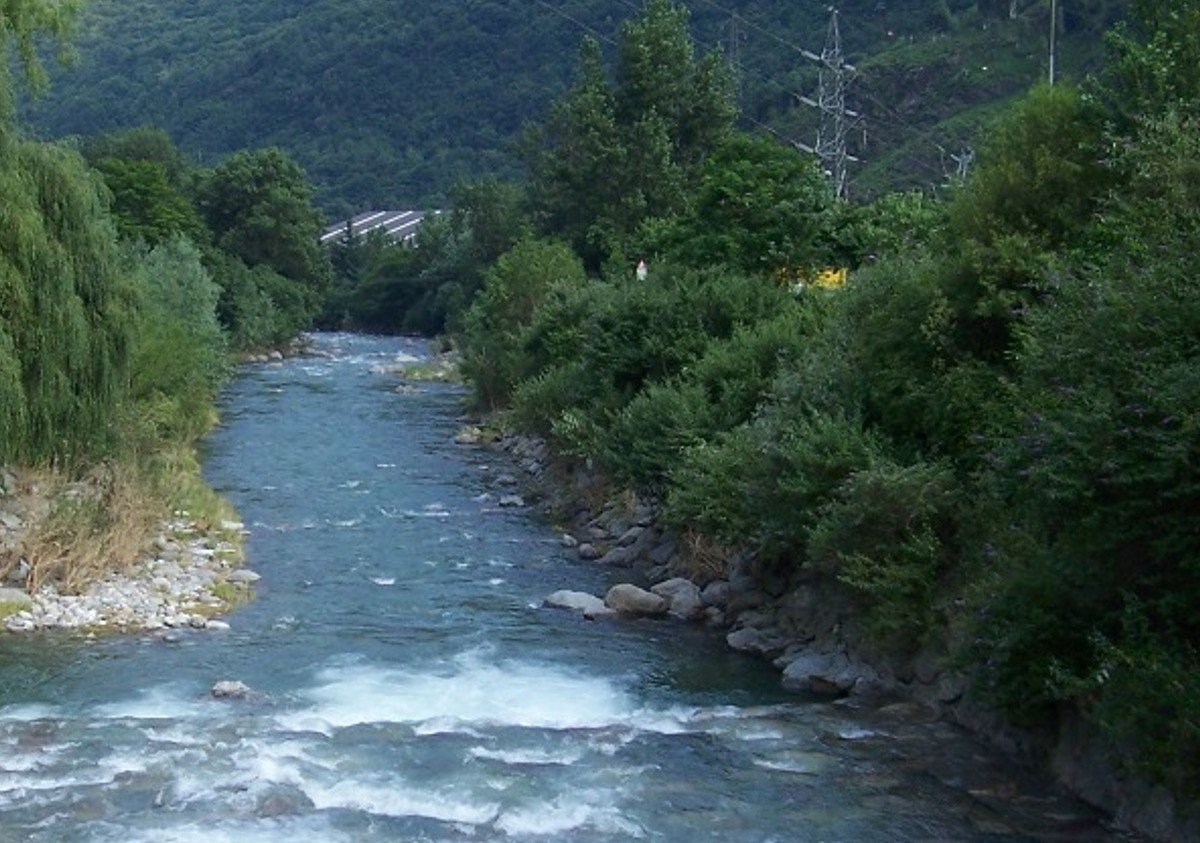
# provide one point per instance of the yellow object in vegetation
(829, 278)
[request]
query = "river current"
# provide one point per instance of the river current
(408, 685)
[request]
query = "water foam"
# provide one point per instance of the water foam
(471, 693)
(568, 812)
(164, 702)
(393, 798)
(528, 757)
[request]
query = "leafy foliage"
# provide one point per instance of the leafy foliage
(179, 358)
(996, 413)
(758, 208)
(424, 286)
(65, 330)
(521, 279)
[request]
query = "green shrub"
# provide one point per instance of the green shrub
(648, 436)
(888, 533)
(179, 356)
(764, 484)
(1097, 576)
(493, 357)
(737, 373)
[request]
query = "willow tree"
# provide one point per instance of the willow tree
(64, 327)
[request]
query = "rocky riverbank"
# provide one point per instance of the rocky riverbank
(810, 629)
(190, 577)
(85, 556)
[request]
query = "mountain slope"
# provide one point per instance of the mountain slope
(389, 104)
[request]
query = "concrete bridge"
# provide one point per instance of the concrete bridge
(394, 225)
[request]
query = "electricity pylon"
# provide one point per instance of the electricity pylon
(835, 74)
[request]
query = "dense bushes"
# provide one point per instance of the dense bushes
(179, 358)
(989, 436)
(252, 218)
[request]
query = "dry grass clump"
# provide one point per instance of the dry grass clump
(704, 558)
(80, 530)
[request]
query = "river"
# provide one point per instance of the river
(408, 685)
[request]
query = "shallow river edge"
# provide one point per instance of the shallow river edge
(811, 631)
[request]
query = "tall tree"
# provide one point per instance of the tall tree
(576, 158)
(259, 205)
(613, 155)
(22, 24)
(64, 308)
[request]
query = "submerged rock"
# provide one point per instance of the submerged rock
(231, 689)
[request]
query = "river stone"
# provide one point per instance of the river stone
(283, 800)
(230, 689)
(469, 436)
(15, 596)
(589, 605)
(663, 552)
(683, 595)
(512, 501)
(630, 536)
(628, 599)
(620, 557)
(588, 551)
(569, 541)
(750, 640)
(243, 576)
(824, 673)
(716, 593)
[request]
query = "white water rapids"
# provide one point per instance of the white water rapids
(408, 685)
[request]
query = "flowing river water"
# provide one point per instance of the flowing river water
(409, 686)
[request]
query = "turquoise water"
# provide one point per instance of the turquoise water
(409, 686)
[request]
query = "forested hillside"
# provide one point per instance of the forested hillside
(391, 104)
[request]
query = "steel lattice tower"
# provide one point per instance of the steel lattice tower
(831, 99)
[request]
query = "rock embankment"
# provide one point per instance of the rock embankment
(810, 629)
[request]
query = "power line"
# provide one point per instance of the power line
(599, 35)
(882, 114)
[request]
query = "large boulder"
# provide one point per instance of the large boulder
(683, 598)
(628, 599)
(588, 605)
(827, 673)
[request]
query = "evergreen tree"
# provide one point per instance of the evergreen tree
(613, 155)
